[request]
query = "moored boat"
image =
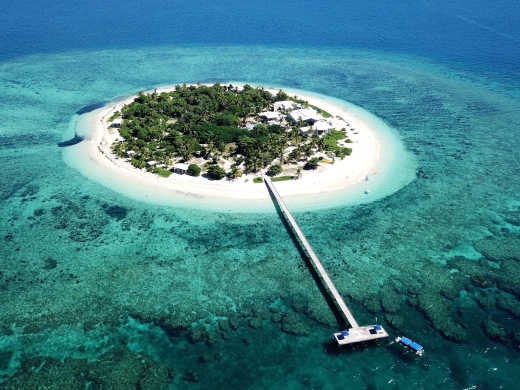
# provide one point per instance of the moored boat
(417, 348)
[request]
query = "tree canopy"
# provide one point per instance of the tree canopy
(207, 123)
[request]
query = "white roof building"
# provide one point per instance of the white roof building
(270, 115)
(307, 130)
(322, 126)
(285, 105)
(308, 115)
(180, 168)
(151, 163)
(117, 122)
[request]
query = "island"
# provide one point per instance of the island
(210, 146)
(227, 131)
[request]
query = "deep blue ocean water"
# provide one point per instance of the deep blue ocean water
(102, 291)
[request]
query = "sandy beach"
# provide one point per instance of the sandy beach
(352, 171)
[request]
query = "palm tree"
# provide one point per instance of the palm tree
(235, 173)
(308, 150)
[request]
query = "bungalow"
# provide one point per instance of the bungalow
(306, 130)
(268, 116)
(307, 115)
(322, 127)
(117, 123)
(319, 127)
(180, 168)
(285, 105)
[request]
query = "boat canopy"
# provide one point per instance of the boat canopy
(406, 341)
(415, 346)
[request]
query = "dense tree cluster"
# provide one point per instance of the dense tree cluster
(209, 122)
(193, 170)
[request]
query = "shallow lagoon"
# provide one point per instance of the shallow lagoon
(127, 291)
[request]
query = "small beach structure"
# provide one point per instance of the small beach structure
(417, 348)
(180, 168)
(356, 333)
(285, 105)
(117, 123)
(151, 163)
(307, 115)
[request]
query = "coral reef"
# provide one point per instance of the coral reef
(116, 369)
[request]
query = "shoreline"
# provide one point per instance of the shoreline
(94, 158)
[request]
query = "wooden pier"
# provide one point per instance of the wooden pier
(356, 333)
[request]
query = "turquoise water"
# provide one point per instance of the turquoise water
(99, 289)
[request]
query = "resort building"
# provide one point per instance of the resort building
(322, 127)
(307, 115)
(285, 105)
(270, 116)
(307, 130)
(180, 168)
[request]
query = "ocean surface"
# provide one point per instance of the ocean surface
(99, 290)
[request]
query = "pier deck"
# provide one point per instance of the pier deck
(356, 333)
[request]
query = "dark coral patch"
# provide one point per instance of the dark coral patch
(116, 212)
(50, 263)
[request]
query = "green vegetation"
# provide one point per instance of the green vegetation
(324, 113)
(235, 173)
(162, 172)
(274, 170)
(312, 164)
(193, 170)
(282, 178)
(342, 152)
(208, 124)
(258, 180)
(114, 116)
(330, 143)
(138, 163)
(216, 172)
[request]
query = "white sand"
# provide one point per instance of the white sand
(352, 171)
